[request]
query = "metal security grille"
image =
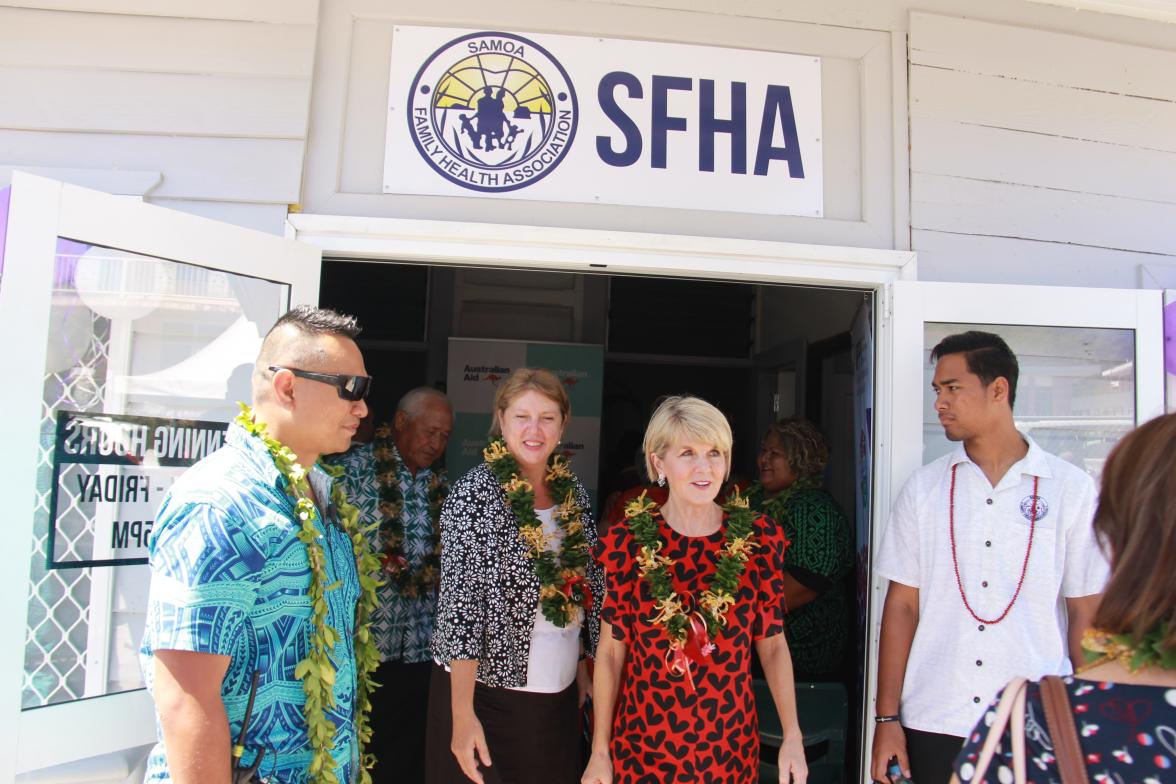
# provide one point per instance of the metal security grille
(59, 600)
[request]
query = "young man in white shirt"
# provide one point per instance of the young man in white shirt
(993, 566)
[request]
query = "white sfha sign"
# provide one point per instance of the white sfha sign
(603, 121)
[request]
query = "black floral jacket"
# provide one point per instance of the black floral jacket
(489, 591)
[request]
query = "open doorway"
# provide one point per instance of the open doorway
(760, 352)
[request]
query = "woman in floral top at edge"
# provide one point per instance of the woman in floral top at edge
(691, 587)
(1124, 699)
(515, 615)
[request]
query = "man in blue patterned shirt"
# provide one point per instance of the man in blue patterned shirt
(229, 577)
(393, 482)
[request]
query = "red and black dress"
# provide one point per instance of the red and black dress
(664, 730)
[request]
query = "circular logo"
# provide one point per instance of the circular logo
(1027, 507)
(492, 112)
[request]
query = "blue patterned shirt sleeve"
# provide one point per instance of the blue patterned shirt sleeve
(205, 573)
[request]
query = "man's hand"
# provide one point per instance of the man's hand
(192, 715)
(469, 745)
(889, 741)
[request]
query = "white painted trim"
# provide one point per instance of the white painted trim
(24, 316)
(590, 250)
(582, 250)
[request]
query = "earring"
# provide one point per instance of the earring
(661, 480)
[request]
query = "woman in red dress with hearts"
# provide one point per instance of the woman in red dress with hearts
(690, 588)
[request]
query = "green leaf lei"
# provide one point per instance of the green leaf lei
(775, 507)
(1149, 650)
(673, 611)
(563, 589)
(317, 671)
(408, 583)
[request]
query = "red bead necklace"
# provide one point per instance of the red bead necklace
(955, 561)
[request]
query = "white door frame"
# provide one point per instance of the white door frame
(586, 250)
(41, 210)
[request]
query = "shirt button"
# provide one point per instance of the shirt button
(988, 501)
(988, 543)
(979, 663)
(976, 699)
(981, 627)
(984, 584)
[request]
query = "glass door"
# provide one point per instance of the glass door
(130, 334)
(1092, 367)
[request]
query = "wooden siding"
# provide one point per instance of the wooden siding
(1037, 156)
(213, 96)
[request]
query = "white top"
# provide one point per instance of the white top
(555, 652)
(957, 664)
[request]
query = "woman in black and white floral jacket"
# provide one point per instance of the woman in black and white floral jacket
(519, 604)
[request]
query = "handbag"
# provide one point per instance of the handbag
(1009, 713)
(1060, 720)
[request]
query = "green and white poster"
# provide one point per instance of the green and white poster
(475, 369)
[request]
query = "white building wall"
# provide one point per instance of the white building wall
(1039, 157)
(1012, 141)
(196, 105)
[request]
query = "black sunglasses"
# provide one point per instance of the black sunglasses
(348, 387)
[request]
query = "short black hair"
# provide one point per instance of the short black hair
(987, 355)
(310, 320)
(290, 339)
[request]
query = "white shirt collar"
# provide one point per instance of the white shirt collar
(1034, 463)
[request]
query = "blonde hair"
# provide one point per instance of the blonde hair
(686, 418)
(522, 380)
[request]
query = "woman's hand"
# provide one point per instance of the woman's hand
(599, 770)
(583, 682)
(791, 761)
(469, 745)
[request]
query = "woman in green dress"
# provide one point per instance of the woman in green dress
(791, 460)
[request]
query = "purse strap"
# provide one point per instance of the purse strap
(1060, 719)
(1010, 712)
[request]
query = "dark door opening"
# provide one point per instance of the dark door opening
(759, 352)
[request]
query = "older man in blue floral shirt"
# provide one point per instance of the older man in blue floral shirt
(394, 483)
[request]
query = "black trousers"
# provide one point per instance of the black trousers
(533, 738)
(931, 755)
(399, 709)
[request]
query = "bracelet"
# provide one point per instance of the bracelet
(885, 719)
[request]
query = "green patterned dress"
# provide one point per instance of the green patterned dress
(820, 558)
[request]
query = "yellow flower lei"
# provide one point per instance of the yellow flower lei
(563, 588)
(673, 612)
